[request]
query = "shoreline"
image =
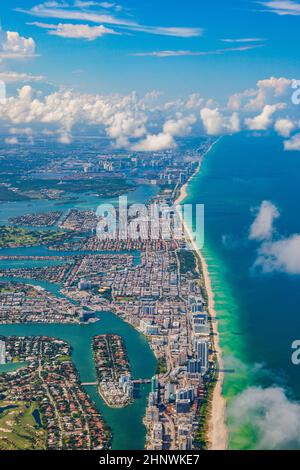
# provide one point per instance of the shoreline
(217, 429)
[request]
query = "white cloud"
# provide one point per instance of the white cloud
(284, 127)
(14, 46)
(127, 118)
(263, 120)
(230, 40)
(282, 7)
(21, 131)
(46, 10)
(122, 117)
(11, 140)
(180, 126)
(274, 418)
(236, 101)
(14, 77)
(262, 227)
(269, 91)
(274, 255)
(280, 256)
(216, 124)
(183, 53)
(293, 143)
(75, 31)
(155, 142)
(194, 101)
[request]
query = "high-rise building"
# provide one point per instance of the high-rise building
(201, 347)
(185, 394)
(200, 323)
(2, 352)
(183, 406)
(194, 366)
(170, 392)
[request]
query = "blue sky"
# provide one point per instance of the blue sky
(109, 63)
(147, 72)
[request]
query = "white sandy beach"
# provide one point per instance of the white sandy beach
(217, 429)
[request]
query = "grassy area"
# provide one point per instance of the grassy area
(14, 236)
(18, 428)
(63, 358)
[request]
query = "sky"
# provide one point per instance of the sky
(195, 56)
(111, 57)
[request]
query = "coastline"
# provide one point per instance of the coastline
(217, 429)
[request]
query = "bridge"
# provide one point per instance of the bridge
(138, 381)
(142, 381)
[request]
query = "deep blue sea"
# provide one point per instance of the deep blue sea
(258, 313)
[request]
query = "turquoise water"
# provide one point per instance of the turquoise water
(83, 202)
(258, 313)
(126, 424)
(11, 366)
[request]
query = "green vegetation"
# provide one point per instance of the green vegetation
(205, 412)
(13, 237)
(105, 187)
(64, 358)
(187, 262)
(18, 428)
(161, 366)
(107, 294)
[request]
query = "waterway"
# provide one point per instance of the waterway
(127, 426)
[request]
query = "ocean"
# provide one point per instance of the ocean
(258, 313)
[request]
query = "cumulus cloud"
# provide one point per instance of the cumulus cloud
(155, 142)
(267, 91)
(275, 254)
(122, 117)
(293, 143)
(262, 227)
(274, 418)
(127, 118)
(280, 256)
(284, 127)
(14, 46)
(263, 120)
(21, 131)
(216, 124)
(180, 126)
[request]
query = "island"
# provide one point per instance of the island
(113, 370)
